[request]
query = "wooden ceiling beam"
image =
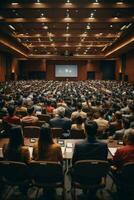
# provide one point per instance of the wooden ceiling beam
(68, 5)
(93, 36)
(66, 20)
(64, 45)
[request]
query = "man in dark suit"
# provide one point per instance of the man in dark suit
(60, 121)
(91, 148)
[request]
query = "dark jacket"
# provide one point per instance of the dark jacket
(90, 149)
(59, 122)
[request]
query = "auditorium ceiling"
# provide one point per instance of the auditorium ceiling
(75, 29)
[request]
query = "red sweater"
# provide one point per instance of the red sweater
(123, 155)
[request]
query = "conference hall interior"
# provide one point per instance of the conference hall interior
(67, 99)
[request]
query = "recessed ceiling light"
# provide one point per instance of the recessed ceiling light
(15, 3)
(45, 27)
(129, 25)
(119, 3)
(88, 27)
(68, 18)
(115, 17)
(123, 27)
(12, 27)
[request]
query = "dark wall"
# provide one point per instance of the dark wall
(5, 66)
(32, 69)
(108, 69)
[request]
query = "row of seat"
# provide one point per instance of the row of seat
(86, 175)
(33, 132)
(48, 175)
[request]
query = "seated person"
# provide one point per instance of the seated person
(91, 148)
(116, 124)
(102, 123)
(20, 108)
(59, 121)
(126, 153)
(120, 133)
(15, 149)
(46, 149)
(78, 112)
(3, 109)
(11, 118)
(30, 118)
(79, 125)
(49, 107)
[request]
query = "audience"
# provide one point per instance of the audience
(93, 106)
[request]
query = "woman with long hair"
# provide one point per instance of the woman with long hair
(46, 149)
(15, 149)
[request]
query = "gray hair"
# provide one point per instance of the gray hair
(60, 111)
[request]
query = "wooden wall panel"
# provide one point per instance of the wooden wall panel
(130, 66)
(129, 70)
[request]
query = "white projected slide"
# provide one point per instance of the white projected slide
(66, 71)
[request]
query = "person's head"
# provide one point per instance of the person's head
(79, 106)
(126, 123)
(16, 136)
(45, 134)
(131, 107)
(20, 102)
(30, 110)
(48, 103)
(11, 110)
(132, 125)
(101, 113)
(45, 139)
(60, 111)
(79, 120)
(130, 136)
(118, 115)
(2, 103)
(91, 128)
